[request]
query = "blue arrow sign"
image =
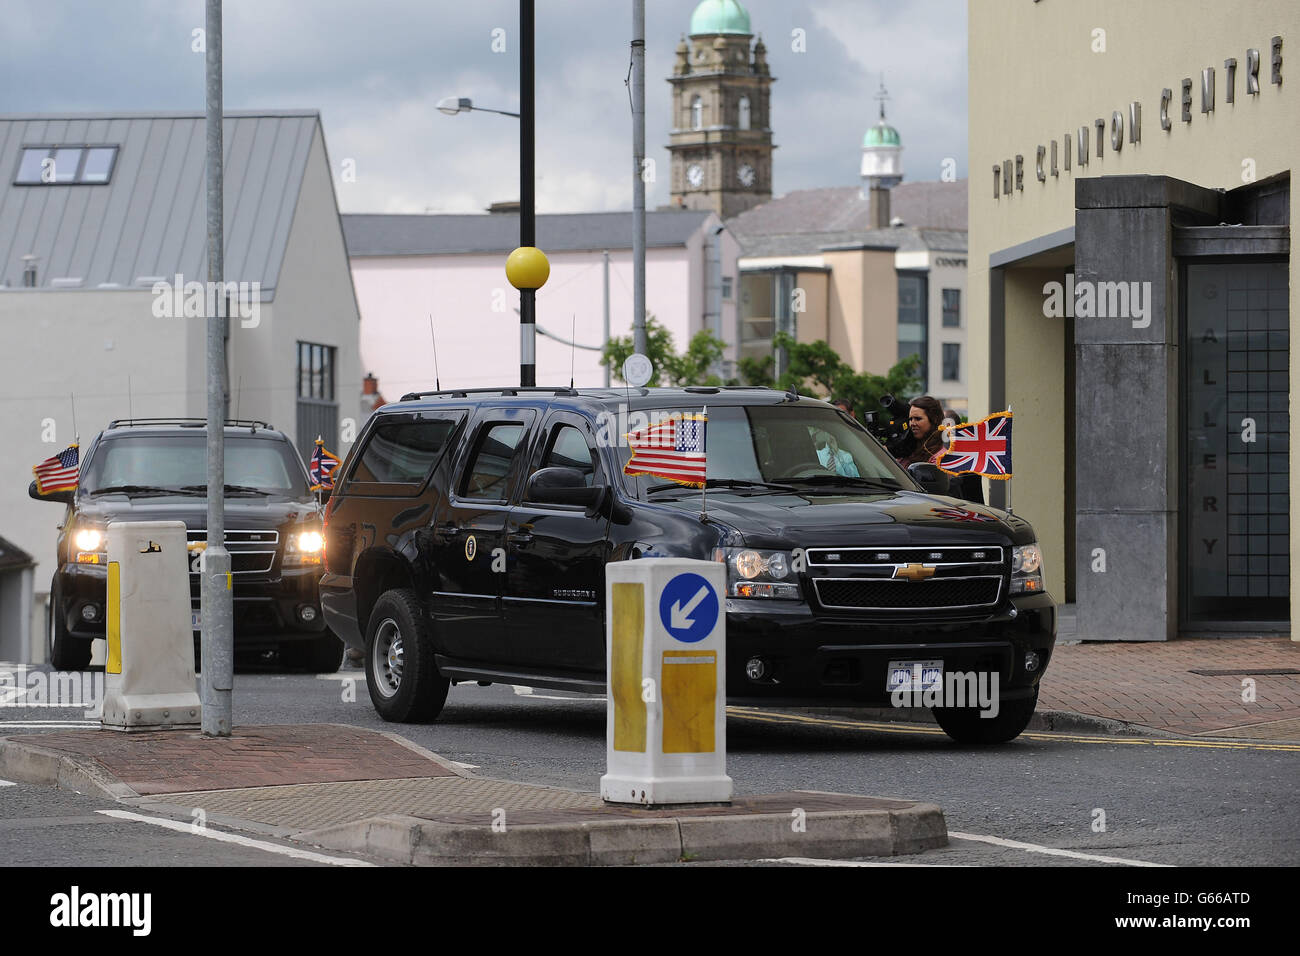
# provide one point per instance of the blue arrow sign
(688, 608)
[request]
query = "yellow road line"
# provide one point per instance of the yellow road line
(892, 728)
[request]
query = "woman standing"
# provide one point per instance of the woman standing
(923, 420)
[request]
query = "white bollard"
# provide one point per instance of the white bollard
(666, 660)
(149, 673)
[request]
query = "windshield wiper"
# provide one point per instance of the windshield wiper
(723, 483)
(846, 480)
(229, 489)
(140, 490)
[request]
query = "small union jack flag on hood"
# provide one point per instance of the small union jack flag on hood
(981, 448)
(321, 469)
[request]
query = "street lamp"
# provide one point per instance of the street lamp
(451, 105)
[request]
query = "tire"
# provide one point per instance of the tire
(966, 726)
(401, 675)
(63, 651)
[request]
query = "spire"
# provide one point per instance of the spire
(882, 96)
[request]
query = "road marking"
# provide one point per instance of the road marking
(223, 837)
(466, 766)
(923, 730)
(7, 783)
(810, 861)
(1050, 851)
(47, 724)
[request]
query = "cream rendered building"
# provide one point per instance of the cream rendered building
(1139, 155)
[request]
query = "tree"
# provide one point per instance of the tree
(816, 368)
(690, 368)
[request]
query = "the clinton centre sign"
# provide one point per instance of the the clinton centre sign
(1009, 175)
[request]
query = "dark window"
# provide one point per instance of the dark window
(951, 361)
(726, 287)
(403, 452)
(912, 324)
(569, 449)
(63, 165)
(952, 308)
(316, 371)
(487, 472)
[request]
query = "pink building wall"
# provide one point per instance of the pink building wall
(477, 328)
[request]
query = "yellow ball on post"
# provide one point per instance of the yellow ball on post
(527, 268)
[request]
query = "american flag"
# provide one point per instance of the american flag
(983, 448)
(58, 473)
(322, 468)
(672, 449)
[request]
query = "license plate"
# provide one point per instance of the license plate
(196, 620)
(914, 676)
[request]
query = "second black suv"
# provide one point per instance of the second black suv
(468, 537)
(156, 470)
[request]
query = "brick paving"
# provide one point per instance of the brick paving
(1153, 683)
(180, 761)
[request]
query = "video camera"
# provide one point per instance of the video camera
(890, 427)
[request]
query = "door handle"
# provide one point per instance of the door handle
(521, 538)
(450, 529)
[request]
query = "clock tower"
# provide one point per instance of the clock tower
(721, 141)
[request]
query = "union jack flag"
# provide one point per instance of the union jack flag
(57, 473)
(961, 514)
(672, 449)
(322, 468)
(982, 448)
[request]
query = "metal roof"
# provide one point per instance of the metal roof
(149, 221)
(447, 234)
(13, 557)
(930, 205)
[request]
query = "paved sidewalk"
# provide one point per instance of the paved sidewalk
(376, 794)
(1192, 687)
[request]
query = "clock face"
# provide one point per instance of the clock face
(695, 175)
(746, 175)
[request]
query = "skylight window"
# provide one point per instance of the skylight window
(65, 165)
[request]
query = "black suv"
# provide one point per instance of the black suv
(468, 536)
(156, 470)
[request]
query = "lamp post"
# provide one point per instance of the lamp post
(527, 267)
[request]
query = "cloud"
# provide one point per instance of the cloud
(376, 70)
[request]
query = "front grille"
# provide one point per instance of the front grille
(251, 552)
(882, 594)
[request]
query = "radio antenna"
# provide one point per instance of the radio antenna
(573, 346)
(437, 382)
(130, 402)
(239, 391)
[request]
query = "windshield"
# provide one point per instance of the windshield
(180, 461)
(794, 445)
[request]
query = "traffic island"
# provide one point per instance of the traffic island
(797, 823)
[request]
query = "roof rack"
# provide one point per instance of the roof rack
(183, 422)
(507, 390)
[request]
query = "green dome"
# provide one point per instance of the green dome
(881, 134)
(719, 16)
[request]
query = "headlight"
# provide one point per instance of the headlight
(1026, 569)
(88, 539)
(304, 547)
(755, 574)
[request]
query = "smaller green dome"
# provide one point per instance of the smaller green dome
(719, 16)
(882, 134)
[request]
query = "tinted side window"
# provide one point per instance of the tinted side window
(485, 475)
(403, 452)
(569, 449)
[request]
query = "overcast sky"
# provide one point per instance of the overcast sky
(375, 70)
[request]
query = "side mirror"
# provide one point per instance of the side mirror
(929, 477)
(562, 486)
(62, 497)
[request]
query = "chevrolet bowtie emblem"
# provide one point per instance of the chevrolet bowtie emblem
(913, 572)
